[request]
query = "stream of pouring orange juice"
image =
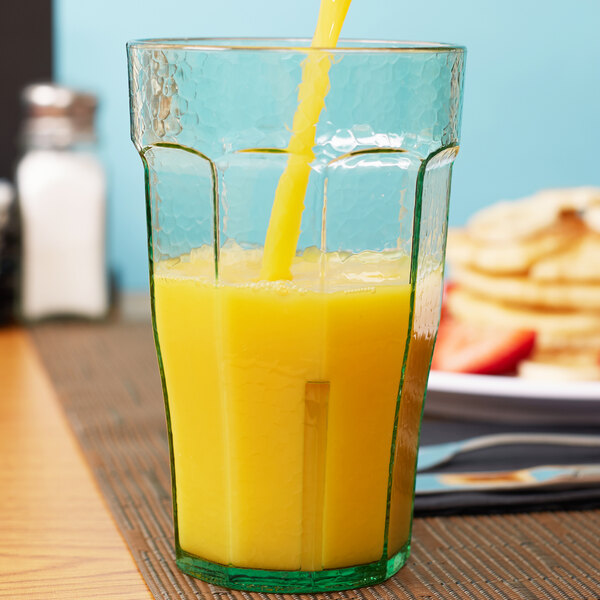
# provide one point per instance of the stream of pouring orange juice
(286, 214)
(282, 393)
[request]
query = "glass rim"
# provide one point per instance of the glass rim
(281, 44)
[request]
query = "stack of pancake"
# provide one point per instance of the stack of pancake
(534, 264)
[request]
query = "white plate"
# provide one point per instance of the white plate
(511, 399)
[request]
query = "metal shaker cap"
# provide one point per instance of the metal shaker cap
(57, 115)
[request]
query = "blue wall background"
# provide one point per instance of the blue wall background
(532, 95)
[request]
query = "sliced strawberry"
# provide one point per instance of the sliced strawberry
(466, 348)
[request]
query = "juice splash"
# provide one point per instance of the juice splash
(286, 214)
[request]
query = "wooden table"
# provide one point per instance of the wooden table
(57, 537)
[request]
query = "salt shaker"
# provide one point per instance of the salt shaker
(62, 194)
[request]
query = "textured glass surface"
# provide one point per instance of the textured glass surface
(294, 408)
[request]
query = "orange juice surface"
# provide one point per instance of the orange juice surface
(282, 398)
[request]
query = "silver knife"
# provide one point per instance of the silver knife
(550, 475)
(438, 454)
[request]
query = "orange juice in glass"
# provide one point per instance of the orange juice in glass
(294, 378)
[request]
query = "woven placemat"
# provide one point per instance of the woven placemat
(107, 379)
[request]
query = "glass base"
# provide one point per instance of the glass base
(300, 582)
